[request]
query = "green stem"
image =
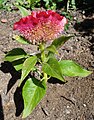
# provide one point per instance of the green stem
(43, 58)
(42, 47)
(45, 77)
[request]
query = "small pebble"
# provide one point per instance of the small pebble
(83, 12)
(4, 20)
(84, 105)
(68, 106)
(75, 18)
(84, 16)
(67, 111)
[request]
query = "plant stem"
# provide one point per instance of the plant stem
(42, 47)
(43, 58)
(45, 77)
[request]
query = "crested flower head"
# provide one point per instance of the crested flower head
(41, 26)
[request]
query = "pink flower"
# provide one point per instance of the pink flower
(41, 26)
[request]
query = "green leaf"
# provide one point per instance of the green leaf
(72, 69)
(33, 91)
(24, 12)
(18, 64)
(28, 65)
(52, 49)
(53, 69)
(60, 41)
(21, 39)
(15, 54)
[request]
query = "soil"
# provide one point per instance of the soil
(73, 100)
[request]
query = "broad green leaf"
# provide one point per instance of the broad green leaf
(52, 49)
(20, 39)
(15, 54)
(33, 91)
(60, 41)
(24, 12)
(53, 69)
(72, 69)
(18, 64)
(28, 65)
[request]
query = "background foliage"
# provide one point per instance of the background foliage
(48, 4)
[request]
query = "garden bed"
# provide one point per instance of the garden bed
(73, 100)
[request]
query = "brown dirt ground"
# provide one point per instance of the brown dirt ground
(73, 100)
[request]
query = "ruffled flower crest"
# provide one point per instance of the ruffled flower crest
(41, 26)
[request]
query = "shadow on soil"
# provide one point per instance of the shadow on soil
(18, 101)
(92, 46)
(86, 27)
(85, 5)
(7, 67)
(55, 81)
(1, 110)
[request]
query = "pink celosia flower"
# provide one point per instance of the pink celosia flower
(41, 26)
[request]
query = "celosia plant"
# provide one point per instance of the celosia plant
(39, 28)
